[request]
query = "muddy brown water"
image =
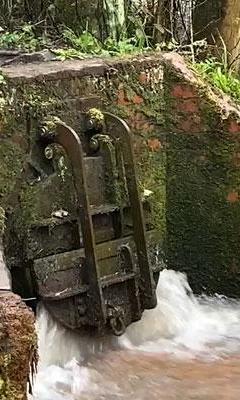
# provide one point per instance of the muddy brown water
(186, 349)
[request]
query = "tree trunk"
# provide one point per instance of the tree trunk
(159, 22)
(114, 15)
(230, 31)
(219, 22)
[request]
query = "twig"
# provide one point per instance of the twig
(225, 52)
(191, 31)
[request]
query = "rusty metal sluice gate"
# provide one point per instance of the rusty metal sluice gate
(110, 279)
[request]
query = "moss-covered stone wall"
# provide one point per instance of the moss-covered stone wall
(203, 177)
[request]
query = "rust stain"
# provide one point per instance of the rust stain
(20, 140)
(121, 98)
(236, 159)
(154, 144)
(234, 127)
(189, 106)
(139, 122)
(232, 197)
(233, 268)
(137, 99)
(183, 91)
(191, 124)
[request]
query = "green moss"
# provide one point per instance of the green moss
(39, 201)
(11, 163)
(152, 177)
(203, 226)
(2, 387)
(96, 115)
(29, 205)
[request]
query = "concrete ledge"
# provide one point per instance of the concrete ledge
(55, 70)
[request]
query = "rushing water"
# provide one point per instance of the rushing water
(186, 345)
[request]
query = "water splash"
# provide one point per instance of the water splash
(184, 325)
(5, 278)
(181, 326)
(63, 353)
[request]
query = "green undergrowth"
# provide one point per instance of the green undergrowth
(218, 75)
(23, 39)
(71, 45)
(87, 43)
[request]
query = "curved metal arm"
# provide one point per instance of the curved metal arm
(70, 141)
(118, 129)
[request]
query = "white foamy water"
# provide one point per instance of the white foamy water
(181, 326)
(184, 325)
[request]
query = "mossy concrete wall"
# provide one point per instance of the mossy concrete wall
(186, 141)
(203, 177)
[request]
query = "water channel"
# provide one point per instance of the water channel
(188, 348)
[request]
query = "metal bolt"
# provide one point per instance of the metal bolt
(48, 152)
(94, 144)
(90, 124)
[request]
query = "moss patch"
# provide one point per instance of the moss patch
(203, 213)
(11, 164)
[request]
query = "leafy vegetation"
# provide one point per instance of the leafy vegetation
(87, 44)
(22, 39)
(73, 45)
(220, 76)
